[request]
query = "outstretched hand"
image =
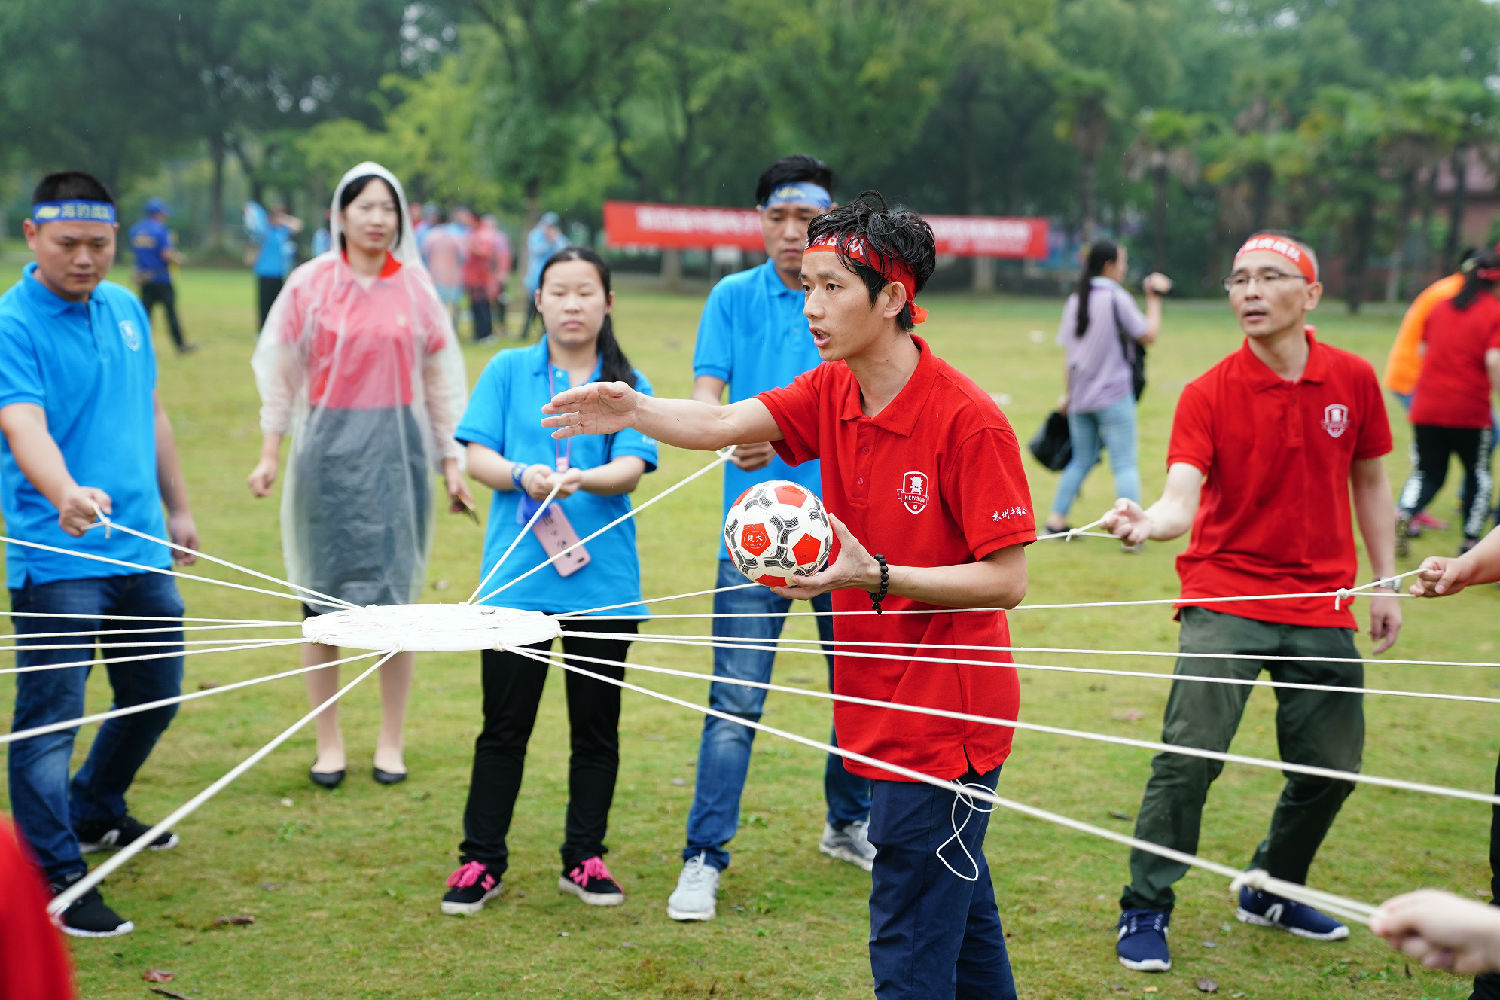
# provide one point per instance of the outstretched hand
(1442, 931)
(595, 408)
(1127, 522)
(1440, 576)
(854, 567)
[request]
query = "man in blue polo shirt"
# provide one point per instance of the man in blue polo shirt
(151, 242)
(753, 337)
(81, 428)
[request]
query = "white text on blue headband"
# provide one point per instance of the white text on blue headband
(72, 211)
(801, 193)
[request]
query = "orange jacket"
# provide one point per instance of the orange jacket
(1404, 364)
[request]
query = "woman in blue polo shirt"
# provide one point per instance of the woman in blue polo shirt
(509, 451)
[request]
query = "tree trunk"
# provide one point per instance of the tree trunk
(1087, 171)
(1159, 218)
(1456, 205)
(1260, 196)
(1404, 209)
(1362, 234)
(671, 270)
(216, 192)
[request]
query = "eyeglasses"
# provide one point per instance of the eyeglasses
(1240, 281)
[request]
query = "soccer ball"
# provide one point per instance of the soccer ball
(777, 530)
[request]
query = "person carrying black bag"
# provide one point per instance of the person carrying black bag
(1105, 335)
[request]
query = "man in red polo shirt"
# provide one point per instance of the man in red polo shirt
(1266, 448)
(920, 467)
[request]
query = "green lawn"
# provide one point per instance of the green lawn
(344, 886)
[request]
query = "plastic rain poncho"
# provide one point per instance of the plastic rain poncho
(368, 381)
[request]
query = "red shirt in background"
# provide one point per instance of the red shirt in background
(934, 479)
(1274, 514)
(33, 960)
(1454, 387)
(362, 342)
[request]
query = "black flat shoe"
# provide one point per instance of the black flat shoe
(326, 779)
(385, 777)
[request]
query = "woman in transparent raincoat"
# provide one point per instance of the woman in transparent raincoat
(359, 364)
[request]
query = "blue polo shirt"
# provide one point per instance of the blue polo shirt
(149, 239)
(753, 336)
(273, 260)
(504, 414)
(89, 366)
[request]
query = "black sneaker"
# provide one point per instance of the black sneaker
(469, 889)
(126, 830)
(89, 916)
(591, 882)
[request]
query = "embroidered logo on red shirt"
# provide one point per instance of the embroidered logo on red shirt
(913, 492)
(1335, 419)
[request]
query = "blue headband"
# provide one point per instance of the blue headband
(77, 210)
(803, 193)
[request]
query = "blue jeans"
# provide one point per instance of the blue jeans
(46, 806)
(724, 751)
(934, 935)
(1113, 428)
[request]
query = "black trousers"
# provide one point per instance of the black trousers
(1434, 446)
(153, 292)
(512, 691)
(479, 308)
(266, 291)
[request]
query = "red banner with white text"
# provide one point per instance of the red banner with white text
(682, 227)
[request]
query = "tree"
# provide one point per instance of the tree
(1165, 149)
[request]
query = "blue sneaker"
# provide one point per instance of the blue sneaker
(1142, 941)
(1265, 909)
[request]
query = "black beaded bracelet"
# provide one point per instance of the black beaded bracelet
(876, 596)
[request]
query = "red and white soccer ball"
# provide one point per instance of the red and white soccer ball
(777, 530)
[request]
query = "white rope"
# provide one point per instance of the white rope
(632, 512)
(1311, 770)
(1078, 532)
(1337, 596)
(94, 877)
(107, 524)
(1290, 890)
(154, 569)
(53, 727)
(238, 648)
(592, 612)
(513, 543)
(1172, 654)
(741, 643)
(137, 618)
(133, 631)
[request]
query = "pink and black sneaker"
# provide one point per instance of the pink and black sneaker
(469, 889)
(591, 882)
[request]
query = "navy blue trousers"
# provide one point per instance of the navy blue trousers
(934, 935)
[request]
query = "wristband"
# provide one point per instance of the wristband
(517, 474)
(876, 596)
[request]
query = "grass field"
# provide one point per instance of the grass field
(344, 886)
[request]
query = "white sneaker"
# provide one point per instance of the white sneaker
(697, 891)
(850, 843)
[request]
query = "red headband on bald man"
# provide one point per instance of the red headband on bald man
(1284, 247)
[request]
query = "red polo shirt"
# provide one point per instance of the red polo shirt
(1274, 514)
(934, 479)
(33, 959)
(1454, 387)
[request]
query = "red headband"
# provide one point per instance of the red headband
(896, 271)
(1285, 248)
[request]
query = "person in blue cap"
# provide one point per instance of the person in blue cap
(544, 240)
(151, 242)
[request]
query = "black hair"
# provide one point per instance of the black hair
(352, 190)
(71, 185)
(793, 169)
(614, 366)
(1475, 282)
(1101, 254)
(890, 234)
